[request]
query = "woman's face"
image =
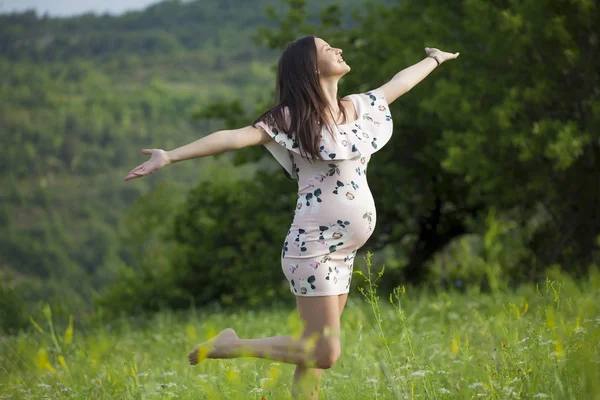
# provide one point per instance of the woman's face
(329, 60)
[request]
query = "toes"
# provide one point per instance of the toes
(192, 357)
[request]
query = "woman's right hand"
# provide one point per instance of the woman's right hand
(158, 159)
(439, 55)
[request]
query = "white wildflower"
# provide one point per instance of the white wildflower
(475, 385)
(510, 391)
(419, 373)
(169, 373)
(444, 390)
(44, 386)
(443, 372)
(338, 375)
(256, 390)
(540, 396)
(579, 330)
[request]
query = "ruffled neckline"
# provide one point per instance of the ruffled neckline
(364, 136)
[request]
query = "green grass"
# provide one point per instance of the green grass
(531, 343)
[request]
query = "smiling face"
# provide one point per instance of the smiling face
(329, 60)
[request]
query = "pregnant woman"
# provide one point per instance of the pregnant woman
(325, 143)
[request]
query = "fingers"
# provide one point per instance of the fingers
(136, 172)
(130, 176)
(140, 169)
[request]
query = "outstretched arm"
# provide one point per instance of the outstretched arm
(408, 78)
(215, 143)
(219, 142)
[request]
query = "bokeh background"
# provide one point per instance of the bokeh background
(490, 181)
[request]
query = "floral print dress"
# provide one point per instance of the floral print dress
(335, 212)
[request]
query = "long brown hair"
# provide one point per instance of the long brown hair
(298, 89)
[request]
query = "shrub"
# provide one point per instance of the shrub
(222, 245)
(230, 239)
(12, 310)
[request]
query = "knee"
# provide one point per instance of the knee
(328, 352)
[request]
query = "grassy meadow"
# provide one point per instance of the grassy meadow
(534, 342)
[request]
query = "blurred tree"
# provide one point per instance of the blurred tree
(510, 125)
(230, 238)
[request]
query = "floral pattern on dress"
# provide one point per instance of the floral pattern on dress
(335, 212)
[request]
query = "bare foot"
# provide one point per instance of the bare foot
(221, 346)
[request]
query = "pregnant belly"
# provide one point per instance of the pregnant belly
(330, 222)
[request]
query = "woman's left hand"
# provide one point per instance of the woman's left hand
(439, 55)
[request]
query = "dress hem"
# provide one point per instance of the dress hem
(319, 294)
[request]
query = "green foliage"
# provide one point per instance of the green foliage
(230, 239)
(12, 309)
(167, 27)
(220, 245)
(72, 129)
(506, 127)
(81, 97)
(492, 261)
(144, 281)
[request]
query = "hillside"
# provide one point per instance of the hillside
(81, 97)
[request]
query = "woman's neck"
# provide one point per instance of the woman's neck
(330, 88)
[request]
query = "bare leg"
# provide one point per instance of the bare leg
(317, 347)
(307, 381)
(227, 344)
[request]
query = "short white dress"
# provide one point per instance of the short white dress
(335, 212)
